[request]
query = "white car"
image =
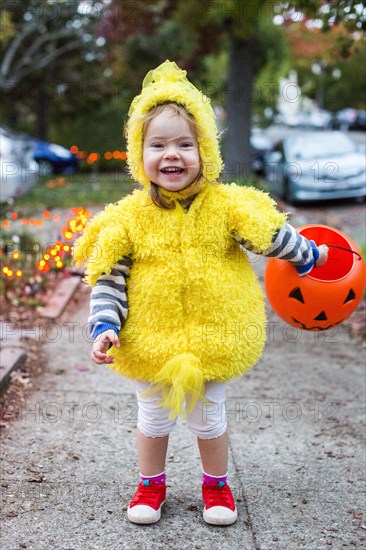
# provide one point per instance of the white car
(313, 166)
(19, 171)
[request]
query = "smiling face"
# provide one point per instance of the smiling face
(170, 152)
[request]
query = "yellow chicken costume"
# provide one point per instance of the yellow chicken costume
(196, 310)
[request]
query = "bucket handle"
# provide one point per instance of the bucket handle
(346, 249)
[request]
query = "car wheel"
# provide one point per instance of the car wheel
(45, 167)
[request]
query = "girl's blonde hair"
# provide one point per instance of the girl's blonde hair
(180, 111)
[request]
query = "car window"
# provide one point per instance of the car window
(320, 145)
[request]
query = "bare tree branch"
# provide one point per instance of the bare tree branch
(15, 45)
(37, 56)
(40, 63)
(47, 38)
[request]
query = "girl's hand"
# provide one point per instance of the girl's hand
(323, 255)
(102, 344)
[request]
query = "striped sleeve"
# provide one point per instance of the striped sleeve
(288, 244)
(108, 300)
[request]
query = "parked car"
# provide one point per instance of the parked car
(350, 119)
(53, 159)
(316, 118)
(261, 145)
(291, 119)
(312, 166)
(361, 120)
(19, 171)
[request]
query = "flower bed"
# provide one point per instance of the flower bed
(31, 269)
(31, 266)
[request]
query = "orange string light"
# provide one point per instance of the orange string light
(53, 256)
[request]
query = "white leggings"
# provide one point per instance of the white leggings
(206, 421)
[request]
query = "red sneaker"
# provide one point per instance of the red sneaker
(145, 507)
(219, 502)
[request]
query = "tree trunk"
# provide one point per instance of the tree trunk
(10, 113)
(239, 94)
(43, 105)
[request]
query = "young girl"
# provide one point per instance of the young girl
(174, 293)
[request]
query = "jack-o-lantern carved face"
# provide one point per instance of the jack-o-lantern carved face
(320, 321)
(329, 294)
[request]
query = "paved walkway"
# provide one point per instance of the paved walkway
(297, 456)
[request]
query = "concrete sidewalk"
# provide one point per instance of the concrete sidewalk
(297, 456)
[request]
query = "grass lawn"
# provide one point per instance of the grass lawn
(75, 190)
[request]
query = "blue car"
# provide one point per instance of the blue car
(53, 159)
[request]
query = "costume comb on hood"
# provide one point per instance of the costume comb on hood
(168, 83)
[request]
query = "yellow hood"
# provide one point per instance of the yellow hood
(169, 83)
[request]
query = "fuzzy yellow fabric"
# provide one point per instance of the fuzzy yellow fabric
(196, 310)
(169, 83)
(105, 241)
(181, 384)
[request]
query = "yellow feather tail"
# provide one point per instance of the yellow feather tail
(181, 383)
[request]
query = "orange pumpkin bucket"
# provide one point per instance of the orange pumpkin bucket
(327, 295)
